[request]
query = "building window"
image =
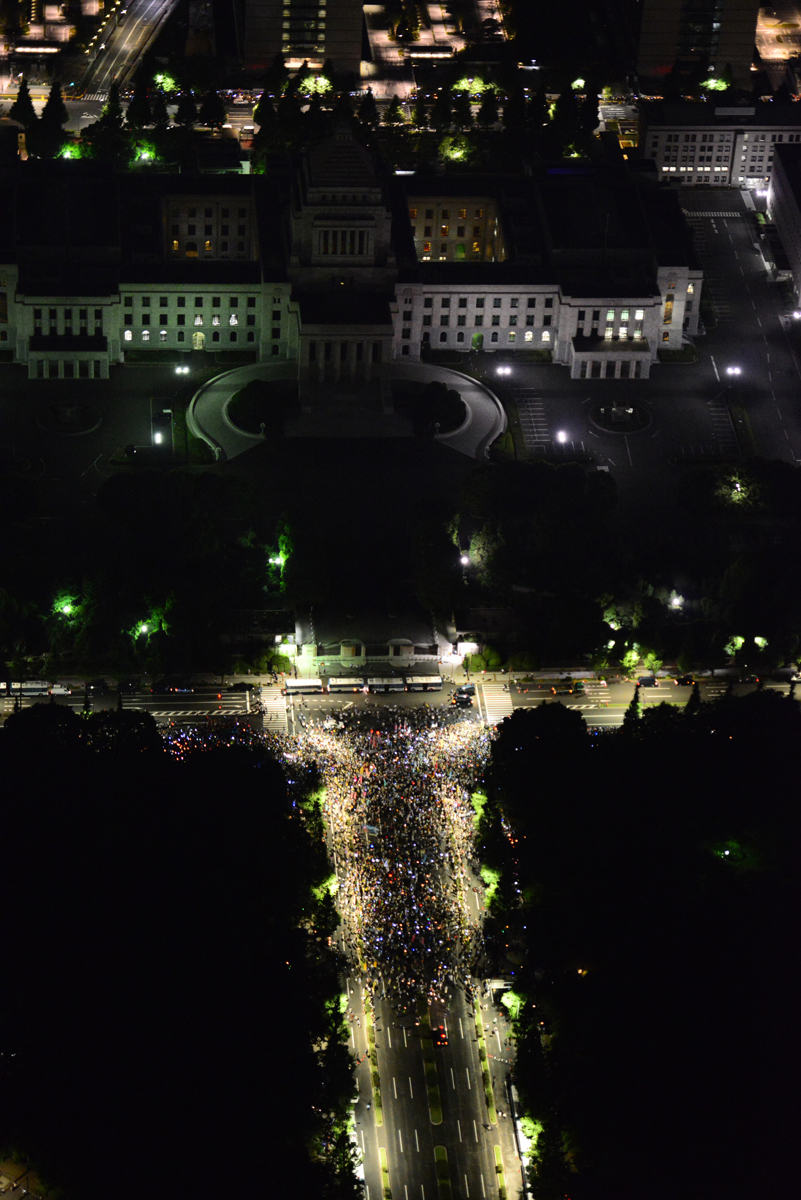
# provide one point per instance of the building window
(549, 301)
(666, 336)
(232, 337)
(215, 337)
(128, 318)
(476, 247)
(496, 320)
(547, 320)
(128, 304)
(463, 301)
(512, 335)
(480, 302)
(445, 302)
(426, 320)
(128, 335)
(494, 337)
(461, 320)
(145, 335)
(406, 333)
(181, 336)
(479, 319)
(444, 230)
(181, 319)
(251, 337)
(513, 320)
(443, 337)
(445, 320)
(531, 302)
(199, 319)
(668, 317)
(496, 302)
(528, 336)
(460, 337)
(639, 314)
(546, 337)
(191, 249)
(215, 318)
(145, 318)
(233, 319)
(412, 214)
(163, 335)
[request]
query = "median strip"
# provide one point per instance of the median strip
(375, 1080)
(430, 1066)
(443, 1172)
(385, 1188)
(499, 1173)
(489, 1095)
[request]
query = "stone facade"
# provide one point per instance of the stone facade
(327, 267)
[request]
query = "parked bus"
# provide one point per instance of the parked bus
(385, 685)
(29, 687)
(346, 684)
(302, 687)
(424, 683)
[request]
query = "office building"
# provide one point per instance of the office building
(305, 31)
(712, 34)
(698, 143)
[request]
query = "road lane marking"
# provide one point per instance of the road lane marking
(400, 1140)
(459, 1127)
(411, 1089)
(394, 1087)
(404, 1036)
(461, 1031)
(466, 1187)
(453, 1081)
(475, 1129)
(389, 1036)
(417, 1141)
(483, 1189)
(467, 1073)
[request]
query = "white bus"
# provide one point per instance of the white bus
(28, 687)
(302, 687)
(346, 684)
(385, 685)
(424, 683)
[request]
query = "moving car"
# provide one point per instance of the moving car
(462, 699)
(128, 687)
(97, 687)
(684, 681)
(439, 1035)
(244, 687)
(648, 681)
(466, 689)
(59, 689)
(171, 683)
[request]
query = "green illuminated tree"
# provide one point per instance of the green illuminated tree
(22, 109)
(264, 112)
(394, 115)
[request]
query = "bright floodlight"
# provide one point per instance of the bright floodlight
(561, 436)
(796, 315)
(158, 438)
(733, 371)
(144, 628)
(464, 559)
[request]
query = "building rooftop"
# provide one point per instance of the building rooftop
(694, 113)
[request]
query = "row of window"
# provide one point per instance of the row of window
(144, 319)
(191, 248)
(511, 337)
(480, 301)
(181, 336)
(199, 301)
(83, 315)
(208, 230)
(478, 320)
(445, 214)
(176, 215)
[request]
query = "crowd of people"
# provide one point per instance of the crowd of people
(397, 804)
(398, 810)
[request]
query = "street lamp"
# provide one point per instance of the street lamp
(464, 559)
(733, 371)
(561, 436)
(503, 370)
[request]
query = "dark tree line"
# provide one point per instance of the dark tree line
(173, 1014)
(656, 915)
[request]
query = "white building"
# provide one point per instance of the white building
(703, 143)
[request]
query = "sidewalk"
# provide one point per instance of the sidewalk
(206, 415)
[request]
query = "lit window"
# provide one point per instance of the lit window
(690, 289)
(199, 319)
(623, 331)
(610, 316)
(638, 314)
(207, 247)
(624, 314)
(511, 335)
(608, 332)
(163, 335)
(476, 247)
(443, 231)
(128, 335)
(215, 320)
(233, 319)
(412, 214)
(528, 336)
(175, 246)
(145, 335)
(546, 335)
(426, 247)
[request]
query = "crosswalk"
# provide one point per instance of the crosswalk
(533, 422)
(100, 96)
(497, 702)
(274, 705)
(722, 427)
(715, 287)
(698, 213)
